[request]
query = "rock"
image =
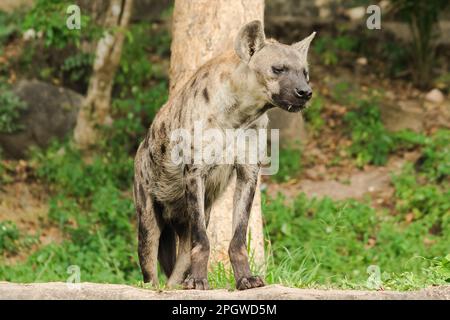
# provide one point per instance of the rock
(362, 61)
(435, 96)
(97, 291)
(51, 113)
(29, 34)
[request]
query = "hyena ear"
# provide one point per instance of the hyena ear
(303, 46)
(249, 40)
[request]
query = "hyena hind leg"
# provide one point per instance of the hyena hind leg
(183, 262)
(148, 213)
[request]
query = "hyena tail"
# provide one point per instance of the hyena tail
(167, 249)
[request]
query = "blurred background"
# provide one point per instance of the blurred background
(363, 187)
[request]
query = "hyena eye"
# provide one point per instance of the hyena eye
(278, 70)
(306, 74)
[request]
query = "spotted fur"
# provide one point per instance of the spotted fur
(173, 201)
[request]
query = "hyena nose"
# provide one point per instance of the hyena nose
(303, 93)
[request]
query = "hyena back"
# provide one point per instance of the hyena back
(173, 200)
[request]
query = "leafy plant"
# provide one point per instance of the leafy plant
(435, 160)
(12, 240)
(9, 236)
(422, 17)
(371, 143)
(49, 18)
(78, 67)
(329, 48)
(7, 27)
(10, 111)
(135, 69)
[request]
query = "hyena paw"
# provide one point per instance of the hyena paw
(245, 283)
(196, 284)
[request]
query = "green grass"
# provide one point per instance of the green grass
(290, 164)
(371, 142)
(321, 242)
(332, 244)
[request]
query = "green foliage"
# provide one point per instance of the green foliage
(11, 107)
(55, 54)
(435, 160)
(396, 55)
(78, 67)
(422, 17)
(425, 201)
(7, 27)
(92, 203)
(328, 243)
(131, 113)
(371, 143)
(289, 164)
(407, 139)
(9, 236)
(135, 68)
(333, 243)
(344, 93)
(49, 17)
(313, 115)
(93, 209)
(330, 48)
(12, 239)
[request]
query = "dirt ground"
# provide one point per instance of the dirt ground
(89, 291)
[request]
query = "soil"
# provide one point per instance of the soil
(24, 201)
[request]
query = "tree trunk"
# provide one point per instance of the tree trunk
(96, 109)
(201, 30)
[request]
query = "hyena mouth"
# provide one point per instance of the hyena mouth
(294, 107)
(289, 107)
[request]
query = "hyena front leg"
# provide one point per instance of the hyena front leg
(247, 177)
(195, 195)
(148, 213)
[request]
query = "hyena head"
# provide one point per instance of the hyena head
(281, 70)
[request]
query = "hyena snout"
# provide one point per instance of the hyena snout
(303, 93)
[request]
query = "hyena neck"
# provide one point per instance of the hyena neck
(247, 102)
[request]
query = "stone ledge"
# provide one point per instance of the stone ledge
(93, 291)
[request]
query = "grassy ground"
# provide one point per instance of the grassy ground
(309, 242)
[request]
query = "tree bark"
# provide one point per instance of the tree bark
(201, 30)
(96, 109)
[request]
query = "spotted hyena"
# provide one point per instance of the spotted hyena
(173, 200)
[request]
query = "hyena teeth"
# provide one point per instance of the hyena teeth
(289, 107)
